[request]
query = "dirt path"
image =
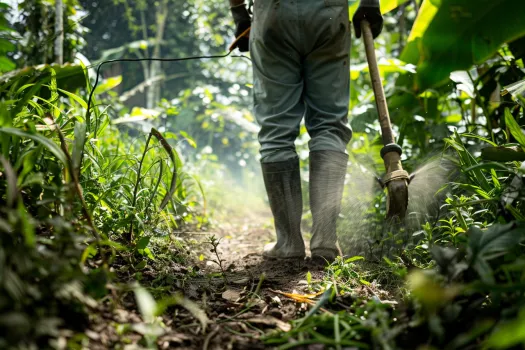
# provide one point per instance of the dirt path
(240, 306)
(247, 305)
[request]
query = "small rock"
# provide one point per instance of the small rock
(241, 281)
(231, 295)
(92, 335)
(276, 300)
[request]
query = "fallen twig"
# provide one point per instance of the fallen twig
(209, 337)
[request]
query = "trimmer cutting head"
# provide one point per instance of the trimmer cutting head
(397, 199)
(396, 181)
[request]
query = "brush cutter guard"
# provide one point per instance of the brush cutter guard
(396, 179)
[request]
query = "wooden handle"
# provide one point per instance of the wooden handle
(382, 108)
(246, 33)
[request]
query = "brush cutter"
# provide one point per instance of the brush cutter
(396, 179)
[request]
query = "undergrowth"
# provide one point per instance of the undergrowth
(92, 212)
(79, 197)
(464, 273)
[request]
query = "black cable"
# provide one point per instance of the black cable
(90, 99)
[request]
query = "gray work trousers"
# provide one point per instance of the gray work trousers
(301, 61)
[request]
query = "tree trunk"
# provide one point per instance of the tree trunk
(416, 6)
(59, 31)
(153, 93)
(402, 27)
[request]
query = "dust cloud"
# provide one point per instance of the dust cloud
(362, 228)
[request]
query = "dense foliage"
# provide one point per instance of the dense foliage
(95, 196)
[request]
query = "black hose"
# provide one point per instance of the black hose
(90, 99)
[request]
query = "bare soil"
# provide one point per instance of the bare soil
(242, 305)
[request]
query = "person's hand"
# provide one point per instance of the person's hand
(372, 15)
(242, 21)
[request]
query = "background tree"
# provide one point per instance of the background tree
(35, 21)
(59, 31)
(7, 36)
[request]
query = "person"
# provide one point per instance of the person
(300, 51)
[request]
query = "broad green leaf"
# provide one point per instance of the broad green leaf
(426, 14)
(141, 265)
(47, 143)
(25, 98)
(386, 66)
(502, 154)
(68, 77)
(143, 242)
(386, 6)
(514, 128)
(149, 253)
(453, 118)
(90, 251)
(427, 290)
(497, 239)
(6, 64)
(5, 45)
(26, 223)
(508, 334)
(29, 159)
(33, 179)
(108, 84)
(451, 35)
(444, 256)
(354, 258)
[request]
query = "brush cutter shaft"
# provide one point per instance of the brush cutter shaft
(382, 108)
(396, 178)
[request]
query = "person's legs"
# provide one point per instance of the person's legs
(279, 108)
(327, 92)
(327, 77)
